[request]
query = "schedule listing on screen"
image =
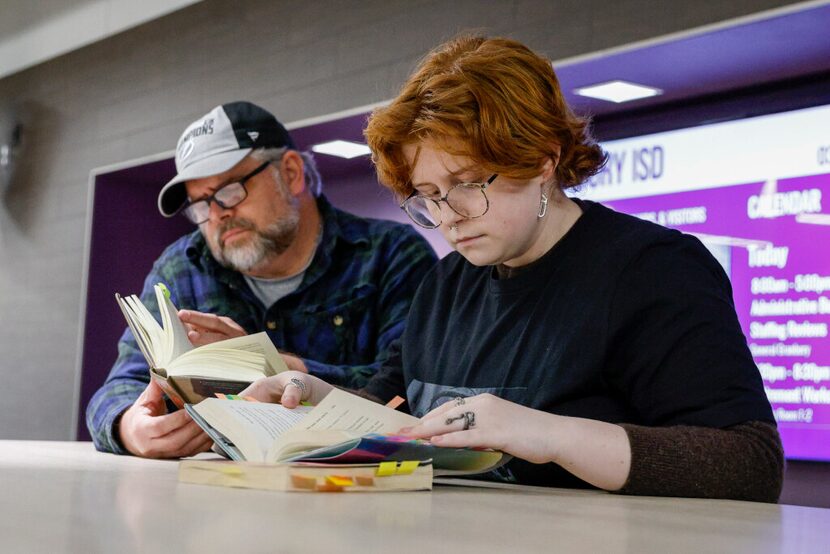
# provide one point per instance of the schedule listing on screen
(757, 193)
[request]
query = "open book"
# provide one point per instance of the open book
(189, 374)
(343, 429)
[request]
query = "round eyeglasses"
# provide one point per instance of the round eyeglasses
(466, 199)
(227, 197)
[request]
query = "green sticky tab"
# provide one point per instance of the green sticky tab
(164, 290)
(306, 403)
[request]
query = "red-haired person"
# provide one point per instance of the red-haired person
(594, 347)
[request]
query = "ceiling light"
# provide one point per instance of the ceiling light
(342, 148)
(618, 91)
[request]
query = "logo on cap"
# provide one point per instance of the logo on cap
(186, 149)
(254, 135)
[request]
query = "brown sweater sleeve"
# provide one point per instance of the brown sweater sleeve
(742, 462)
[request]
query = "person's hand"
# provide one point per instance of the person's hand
(491, 422)
(147, 430)
(294, 363)
(203, 328)
(288, 388)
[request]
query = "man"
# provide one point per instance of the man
(331, 290)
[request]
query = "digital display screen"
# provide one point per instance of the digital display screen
(757, 193)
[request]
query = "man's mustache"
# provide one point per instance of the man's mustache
(232, 224)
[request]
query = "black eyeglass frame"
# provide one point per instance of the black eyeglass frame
(481, 186)
(187, 207)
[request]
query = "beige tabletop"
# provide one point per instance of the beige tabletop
(65, 497)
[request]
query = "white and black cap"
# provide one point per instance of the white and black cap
(218, 141)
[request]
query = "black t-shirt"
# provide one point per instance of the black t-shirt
(621, 321)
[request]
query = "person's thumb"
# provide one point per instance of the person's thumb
(154, 398)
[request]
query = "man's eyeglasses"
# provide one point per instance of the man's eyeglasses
(226, 197)
(466, 199)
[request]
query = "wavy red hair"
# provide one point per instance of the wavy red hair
(492, 100)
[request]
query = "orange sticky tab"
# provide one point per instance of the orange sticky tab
(303, 482)
(386, 468)
(395, 402)
(364, 480)
(339, 481)
(250, 399)
(219, 395)
(407, 467)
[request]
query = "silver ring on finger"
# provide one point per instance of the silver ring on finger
(468, 417)
(299, 384)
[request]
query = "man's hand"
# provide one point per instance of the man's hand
(205, 328)
(294, 363)
(147, 430)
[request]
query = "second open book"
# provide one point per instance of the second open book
(189, 374)
(343, 428)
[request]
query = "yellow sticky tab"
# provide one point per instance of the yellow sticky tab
(339, 481)
(231, 470)
(164, 290)
(408, 467)
(386, 468)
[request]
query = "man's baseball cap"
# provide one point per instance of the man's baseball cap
(218, 141)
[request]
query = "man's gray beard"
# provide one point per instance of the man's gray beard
(272, 241)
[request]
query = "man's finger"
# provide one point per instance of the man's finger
(172, 445)
(210, 322)
(198, 338)
(200, 443)
(151, 400)
(163, 425)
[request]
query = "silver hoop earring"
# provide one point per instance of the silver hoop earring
(543, 206)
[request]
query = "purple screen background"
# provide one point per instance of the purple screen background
(804, 424)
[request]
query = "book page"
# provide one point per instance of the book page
(176, 342)
(339, 416)
(219, 363)
(147, 325)
(259, 343)
(251, 426)
(345, 411)
(141, 337)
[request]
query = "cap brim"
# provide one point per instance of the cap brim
(173, 195)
